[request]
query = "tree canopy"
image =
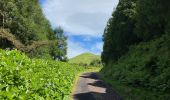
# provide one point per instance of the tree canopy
(26, 22)
(136, 49)
(119, 34)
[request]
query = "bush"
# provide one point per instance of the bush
(24, 78)
(145, 67)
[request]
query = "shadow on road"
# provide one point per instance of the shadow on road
(95, 96)
(90, 75)
(84, 96)
(108, 94)
(98, 83)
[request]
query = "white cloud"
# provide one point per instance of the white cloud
(79, 17)
(87, 18)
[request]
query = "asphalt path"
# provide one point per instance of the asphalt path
(91, 87)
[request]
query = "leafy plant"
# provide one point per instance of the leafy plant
(24, 78)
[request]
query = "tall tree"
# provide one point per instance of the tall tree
(25, 20)
(119, 33)
(151, 18)
(59, 51)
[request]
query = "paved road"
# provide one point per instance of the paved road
(90, 87)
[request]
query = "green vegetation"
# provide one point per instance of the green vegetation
(119, 33)
(86, 59)
(18, 45)
(24, 27)
(27, 25)
(59, 51)
(22, 78)
(136, 51)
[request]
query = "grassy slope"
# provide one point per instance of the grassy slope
(143, 73)
(85, 58)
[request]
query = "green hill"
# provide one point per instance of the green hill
(85, 58)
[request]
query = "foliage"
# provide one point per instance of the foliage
(152, 18)
(139, 69)
(144, 67)
(96, 62)
(59, 51)
(4, 34)
(23, 78)
(118, 34)
(26, 22)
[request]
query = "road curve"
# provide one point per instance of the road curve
(90, 87)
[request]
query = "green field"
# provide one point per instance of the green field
(85, 58)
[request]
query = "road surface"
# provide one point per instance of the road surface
(90, 87)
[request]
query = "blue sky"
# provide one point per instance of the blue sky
(41, 1)
(82, 20)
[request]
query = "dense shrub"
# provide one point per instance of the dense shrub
(145, 66)
(136, 52)
(24, 78)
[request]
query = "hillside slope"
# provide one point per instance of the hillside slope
(85, 58)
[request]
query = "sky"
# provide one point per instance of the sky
(83, 22)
